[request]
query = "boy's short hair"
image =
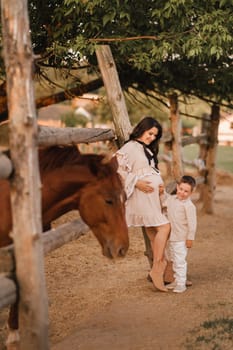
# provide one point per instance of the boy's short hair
(187, 179)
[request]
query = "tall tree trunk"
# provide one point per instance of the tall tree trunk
(210, 173)
(25, 187)
(203, 150)
(177, 166)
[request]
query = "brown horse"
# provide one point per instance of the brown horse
(71, 180)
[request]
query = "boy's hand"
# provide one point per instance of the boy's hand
(161, 189)
(189, 243)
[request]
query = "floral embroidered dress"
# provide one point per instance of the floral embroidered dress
(142, 209)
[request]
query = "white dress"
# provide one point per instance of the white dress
(142, 209)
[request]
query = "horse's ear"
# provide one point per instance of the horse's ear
(108, 159)
(94, 166)
(114, 163)
(98, 165)
(103, 165)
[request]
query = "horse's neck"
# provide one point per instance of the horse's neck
(60, 208)
(67, 177)
(61, 183)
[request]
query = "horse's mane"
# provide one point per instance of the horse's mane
(56, 156)
(53, 157)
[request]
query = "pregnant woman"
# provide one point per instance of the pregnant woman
(138, 167)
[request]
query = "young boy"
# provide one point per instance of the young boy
(181, 213)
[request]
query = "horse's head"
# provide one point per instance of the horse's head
(91, 184)
(102, 207)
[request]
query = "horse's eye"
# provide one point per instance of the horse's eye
(109, 201)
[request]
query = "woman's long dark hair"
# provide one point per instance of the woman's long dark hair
(145, 124)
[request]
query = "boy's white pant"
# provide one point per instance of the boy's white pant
(178, 253)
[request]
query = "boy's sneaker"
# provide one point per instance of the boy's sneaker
(179, 289)
(171, 285)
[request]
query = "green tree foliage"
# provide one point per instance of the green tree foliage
(158, 45)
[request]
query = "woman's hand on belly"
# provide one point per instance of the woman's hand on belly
(144, 186)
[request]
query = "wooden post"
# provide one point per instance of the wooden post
(210, 173)
(177, 166)
(167, 151)
(25, 187)
(205, 125)
(203, 150)
(114, 93)
(119, 110)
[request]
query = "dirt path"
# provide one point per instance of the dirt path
(112, 305)
(98, 304)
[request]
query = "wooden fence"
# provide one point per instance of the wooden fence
(53, 239)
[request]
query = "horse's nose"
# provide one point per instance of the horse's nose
(112, 252)
(122, 251)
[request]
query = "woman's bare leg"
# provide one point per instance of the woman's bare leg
(158, 237)
(160, 241)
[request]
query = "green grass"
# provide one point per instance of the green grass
(215, 334)
(224, 156)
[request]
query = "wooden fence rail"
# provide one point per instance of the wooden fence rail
(52, 239)
(51, 136)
